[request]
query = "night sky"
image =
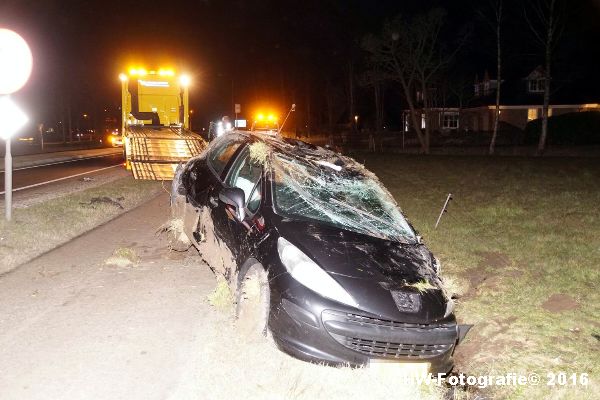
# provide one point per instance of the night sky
(262, 52)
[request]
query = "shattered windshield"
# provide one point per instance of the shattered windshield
(348, 199)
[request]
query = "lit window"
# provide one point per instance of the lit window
(450, 120)
(486, 88)
(532, 113)
(537, 85)
(423, 121)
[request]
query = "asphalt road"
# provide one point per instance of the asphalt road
(28, 176)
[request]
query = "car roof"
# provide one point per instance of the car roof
(323, 158)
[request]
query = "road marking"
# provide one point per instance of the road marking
(63, 162)
(63, 178)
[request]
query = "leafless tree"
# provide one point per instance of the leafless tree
(410, 51)
(375, 79)
(387, 50)
(351, 79)
(329, 100)
(494, 21)
(545, 22)
(430, 59)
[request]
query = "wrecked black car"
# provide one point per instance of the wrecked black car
(318, 252)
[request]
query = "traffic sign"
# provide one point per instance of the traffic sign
(16, 62)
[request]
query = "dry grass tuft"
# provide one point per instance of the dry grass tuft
(123, 257)
(422, 286)
(221, 297)
(259, 153)
(454, 286)
(174, 228)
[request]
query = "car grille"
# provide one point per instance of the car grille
(362, 319)
(395, 350)
(381, 338)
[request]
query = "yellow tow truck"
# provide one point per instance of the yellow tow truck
(155, 123)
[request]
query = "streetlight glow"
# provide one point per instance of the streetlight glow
(185, 80)
(12, 117)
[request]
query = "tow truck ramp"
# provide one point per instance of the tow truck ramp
(154, 152)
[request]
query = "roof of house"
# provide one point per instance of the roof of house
(514, 91)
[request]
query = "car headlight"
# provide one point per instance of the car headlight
(309, 274)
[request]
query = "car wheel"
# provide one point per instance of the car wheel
(252, 305)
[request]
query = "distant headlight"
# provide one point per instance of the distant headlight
(309, 274)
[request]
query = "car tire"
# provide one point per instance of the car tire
(253, 304)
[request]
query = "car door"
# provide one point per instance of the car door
(204, 183)
(246, 174)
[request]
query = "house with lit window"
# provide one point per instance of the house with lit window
(441, 118)
(521, 101)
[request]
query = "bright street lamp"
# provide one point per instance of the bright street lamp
(185, 80)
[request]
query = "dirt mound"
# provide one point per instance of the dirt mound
(494, 259)
(560, 302)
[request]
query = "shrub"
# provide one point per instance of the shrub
(578, 128)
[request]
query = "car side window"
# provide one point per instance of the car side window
(255, 198)
(245, 174)
(221, 155)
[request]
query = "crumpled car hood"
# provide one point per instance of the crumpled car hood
(347, 253)
(368, 264)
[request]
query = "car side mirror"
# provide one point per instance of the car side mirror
(181, 190)
(235, 197)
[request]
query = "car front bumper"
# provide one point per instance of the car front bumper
(313, 328)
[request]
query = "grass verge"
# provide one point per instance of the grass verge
(520, 244)
(44, 226)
